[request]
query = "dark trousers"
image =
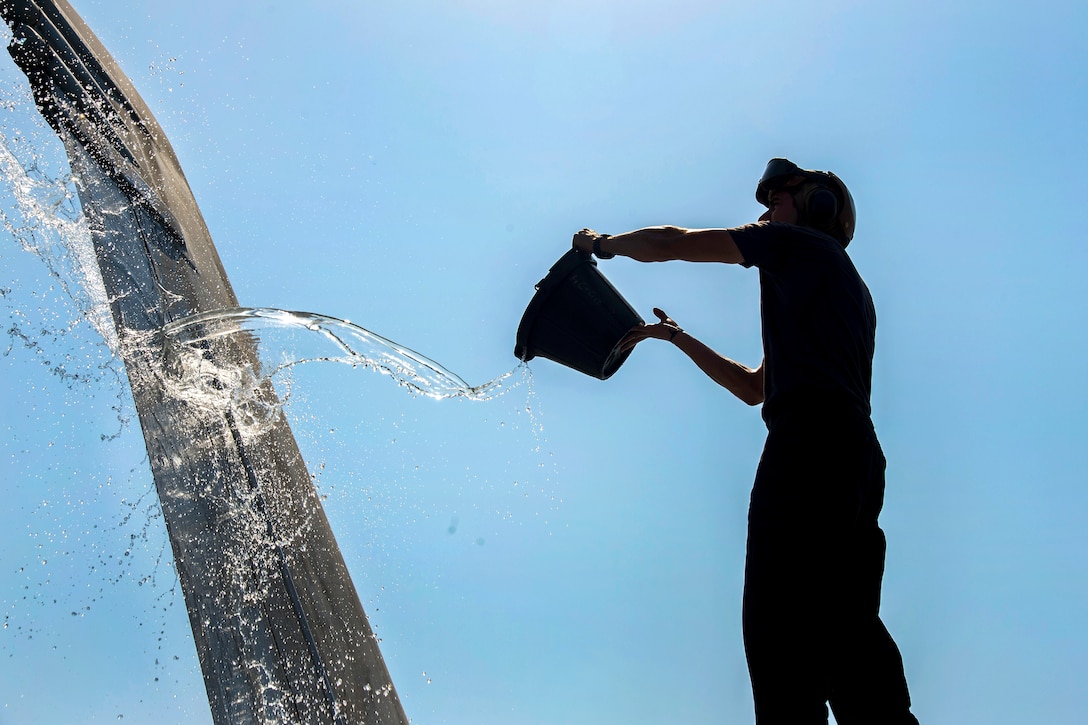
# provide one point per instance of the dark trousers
(812, 630)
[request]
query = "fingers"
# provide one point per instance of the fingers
(664, 330)
(583, 240)
(629, 341)
(634, 337)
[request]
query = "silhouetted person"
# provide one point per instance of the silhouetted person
(815, 559)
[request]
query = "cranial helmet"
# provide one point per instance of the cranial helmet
(822, 200)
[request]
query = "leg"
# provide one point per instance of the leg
(868, 685)
(785, 635)
(782, 635)
(812, 583)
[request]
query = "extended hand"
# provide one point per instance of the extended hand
(584, 239)
(664, 330)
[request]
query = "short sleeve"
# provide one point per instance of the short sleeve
(770, 246)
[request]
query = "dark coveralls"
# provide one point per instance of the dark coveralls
(815, 560)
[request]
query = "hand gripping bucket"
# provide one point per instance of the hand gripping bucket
(576, 318)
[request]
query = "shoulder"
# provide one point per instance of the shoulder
(781, 231)
(770, 244)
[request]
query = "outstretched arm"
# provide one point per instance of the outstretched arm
(663, 244)
(741, 381)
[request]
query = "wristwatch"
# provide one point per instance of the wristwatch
(597, 248)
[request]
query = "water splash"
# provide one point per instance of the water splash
(98, 541)
(330, 339)
(46, 219)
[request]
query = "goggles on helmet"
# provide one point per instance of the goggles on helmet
(779, 174)
(783, 173)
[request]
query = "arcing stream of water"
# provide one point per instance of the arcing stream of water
(344, 341)
(42, 216)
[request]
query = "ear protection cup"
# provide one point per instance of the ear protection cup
(816, 204)
(823, 206)
(822, 200)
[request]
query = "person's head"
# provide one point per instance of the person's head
(816, 199)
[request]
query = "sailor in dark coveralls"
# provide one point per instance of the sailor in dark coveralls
(812, 630)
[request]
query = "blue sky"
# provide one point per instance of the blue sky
(572, 551)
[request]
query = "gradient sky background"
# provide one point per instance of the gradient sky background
(572, 551)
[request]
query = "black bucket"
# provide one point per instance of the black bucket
(576, 318)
